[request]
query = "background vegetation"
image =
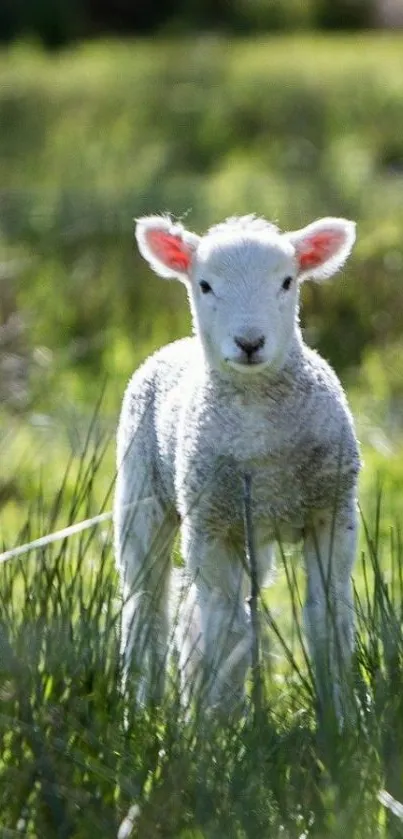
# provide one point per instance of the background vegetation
(290, 127)
(55, 22)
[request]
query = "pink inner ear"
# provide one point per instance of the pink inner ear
(170, 250)
(318, 247)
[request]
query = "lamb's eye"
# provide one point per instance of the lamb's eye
(286, 283)
(205, 287)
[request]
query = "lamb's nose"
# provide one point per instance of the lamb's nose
(250, 347)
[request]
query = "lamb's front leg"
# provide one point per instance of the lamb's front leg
(215, 633)
(330, 545)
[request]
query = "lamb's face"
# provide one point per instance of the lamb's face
(244, 296)
(242, 279)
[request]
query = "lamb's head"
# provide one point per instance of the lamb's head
(242, 279)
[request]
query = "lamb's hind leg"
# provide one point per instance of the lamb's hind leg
(213, 631)
(330, 545)
(215, 636)
(144, 532)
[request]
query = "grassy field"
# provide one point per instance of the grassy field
(291, 128)
(69, 765)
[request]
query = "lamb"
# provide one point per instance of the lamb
(244, 394)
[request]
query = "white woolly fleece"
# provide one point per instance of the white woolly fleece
(245, 394)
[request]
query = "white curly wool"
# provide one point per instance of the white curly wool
(245, 394)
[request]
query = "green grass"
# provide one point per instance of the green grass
(68, 764)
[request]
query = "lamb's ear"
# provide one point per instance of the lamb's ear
(168, 247)
(322, 247)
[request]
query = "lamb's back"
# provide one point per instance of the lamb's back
(151, 407)
(326, 444)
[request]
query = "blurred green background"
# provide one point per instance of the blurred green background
(110, 109)
(287, 109)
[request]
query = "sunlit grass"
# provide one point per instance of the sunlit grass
(69, 765)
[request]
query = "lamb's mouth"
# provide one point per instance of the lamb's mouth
(247, 365)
